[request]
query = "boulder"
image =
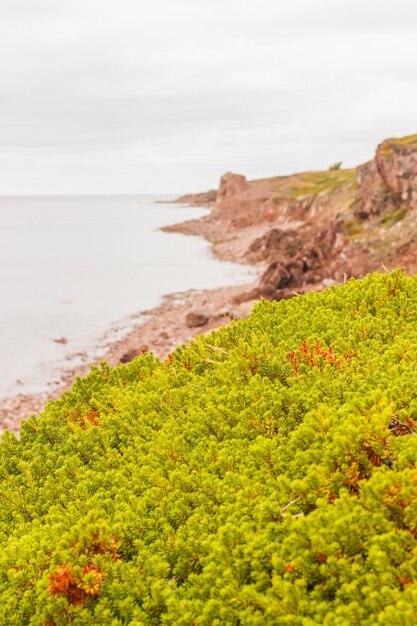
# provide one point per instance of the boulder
(194, 319)
(131, 354)
(128, 356)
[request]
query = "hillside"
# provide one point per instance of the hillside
(265, 474)
(312, 229)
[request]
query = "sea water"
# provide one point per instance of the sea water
(73, 266)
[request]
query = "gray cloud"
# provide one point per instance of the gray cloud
(106, 96)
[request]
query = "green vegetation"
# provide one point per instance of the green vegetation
(389, 219)
(313, 183)
(310, 184)
(336, 166)
(263, 475)
(386, 149)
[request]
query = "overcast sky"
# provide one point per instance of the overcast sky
(140, 96)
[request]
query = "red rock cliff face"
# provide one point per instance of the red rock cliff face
(244, 203)
(389, 182)
(231, 185)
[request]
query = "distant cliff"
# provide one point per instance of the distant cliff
(198, 199)
(311, 229)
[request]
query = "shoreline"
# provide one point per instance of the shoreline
(159, 330)
(295, 245)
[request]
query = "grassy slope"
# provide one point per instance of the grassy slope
(335, 192)
(409, 141)
(250, 479)
(311, 183)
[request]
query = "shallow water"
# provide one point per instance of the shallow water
(72, 266)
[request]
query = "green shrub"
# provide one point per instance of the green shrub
(250, 479)
(336, 166)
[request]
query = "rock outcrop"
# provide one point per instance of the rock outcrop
(314, 259)
(194, 319)
(389, 181)
(230, 185)
(277, 242)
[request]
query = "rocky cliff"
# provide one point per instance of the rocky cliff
(389, 181)
(313, 229)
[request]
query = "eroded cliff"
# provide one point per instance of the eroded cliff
(313, 229)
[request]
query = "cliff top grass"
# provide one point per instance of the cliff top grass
(314, 183)
(386, 148)
(310, 183)
(265, 474)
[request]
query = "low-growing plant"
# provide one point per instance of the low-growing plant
(263, 475)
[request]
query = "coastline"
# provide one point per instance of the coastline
(303, 232)
(159, 330)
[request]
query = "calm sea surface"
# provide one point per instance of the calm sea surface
(73, 266)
